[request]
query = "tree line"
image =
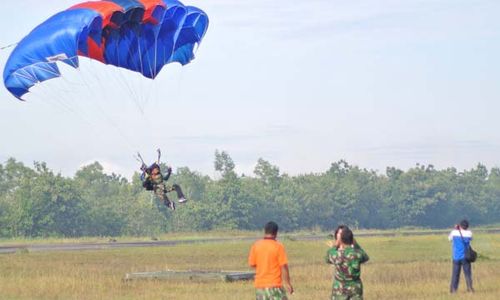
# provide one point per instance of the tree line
(36, 202)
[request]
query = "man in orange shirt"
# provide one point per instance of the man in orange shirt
(268, 257)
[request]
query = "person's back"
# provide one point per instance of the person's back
(268, 255)
(269, 259)
(347, 257)
(458, 245)
(347, 262)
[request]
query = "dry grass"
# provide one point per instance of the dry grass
(400, 268)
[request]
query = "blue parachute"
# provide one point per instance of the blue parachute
(138, 35)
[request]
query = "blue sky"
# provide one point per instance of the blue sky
(299, 83)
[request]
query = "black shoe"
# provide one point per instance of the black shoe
(169, 204)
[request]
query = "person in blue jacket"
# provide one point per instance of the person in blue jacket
(460, 238)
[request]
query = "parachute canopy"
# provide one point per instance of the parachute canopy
(138, 35)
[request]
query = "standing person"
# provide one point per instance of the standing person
(460, 238)
(269, 259)
(346, 255)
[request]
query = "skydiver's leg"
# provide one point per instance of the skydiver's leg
(161, 193)
(178, 190)
(168, 203)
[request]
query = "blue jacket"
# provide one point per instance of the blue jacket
(459, 246)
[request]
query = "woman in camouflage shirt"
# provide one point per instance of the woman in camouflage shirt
(346, 256)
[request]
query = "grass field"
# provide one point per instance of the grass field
(400, 268)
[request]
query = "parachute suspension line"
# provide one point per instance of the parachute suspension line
(141, 62)
(8, 46)
(94, 75)
(141, 98)
(151, 81)
(42, 89)
(179, 83)
(125, 82)
(140, 57)
(149, 91)
(154, 71)
(133, 94)
(68, 97)
(133, 87)
(55, 97)
(109, 75)
(156, 57)
(57, 100)
(80, 111)
(105, 89)
(103, 113)
(51, 101)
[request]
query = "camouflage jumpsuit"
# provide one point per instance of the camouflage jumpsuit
(347, 283)
(159, 187)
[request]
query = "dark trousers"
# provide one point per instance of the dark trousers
(161, 191)
(455, 275)
(177, 189)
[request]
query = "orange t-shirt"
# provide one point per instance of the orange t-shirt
(268, 256)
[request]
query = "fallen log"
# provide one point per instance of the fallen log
(198, 275)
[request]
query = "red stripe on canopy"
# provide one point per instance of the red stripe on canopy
(105, 8)
(152, 7)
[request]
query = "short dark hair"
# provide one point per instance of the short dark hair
(346, 236)
(464, 224)
(271, 228)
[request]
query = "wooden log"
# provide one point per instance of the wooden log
(198, 275)
(236, 276)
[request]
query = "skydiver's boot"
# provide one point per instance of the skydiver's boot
(180, 195)
(169, 204)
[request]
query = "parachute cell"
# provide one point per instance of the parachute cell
(138, 35)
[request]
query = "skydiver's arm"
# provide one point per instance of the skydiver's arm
(169, 172)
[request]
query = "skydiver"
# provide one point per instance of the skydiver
(153, 180)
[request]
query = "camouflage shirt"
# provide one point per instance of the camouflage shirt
(347, 263)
